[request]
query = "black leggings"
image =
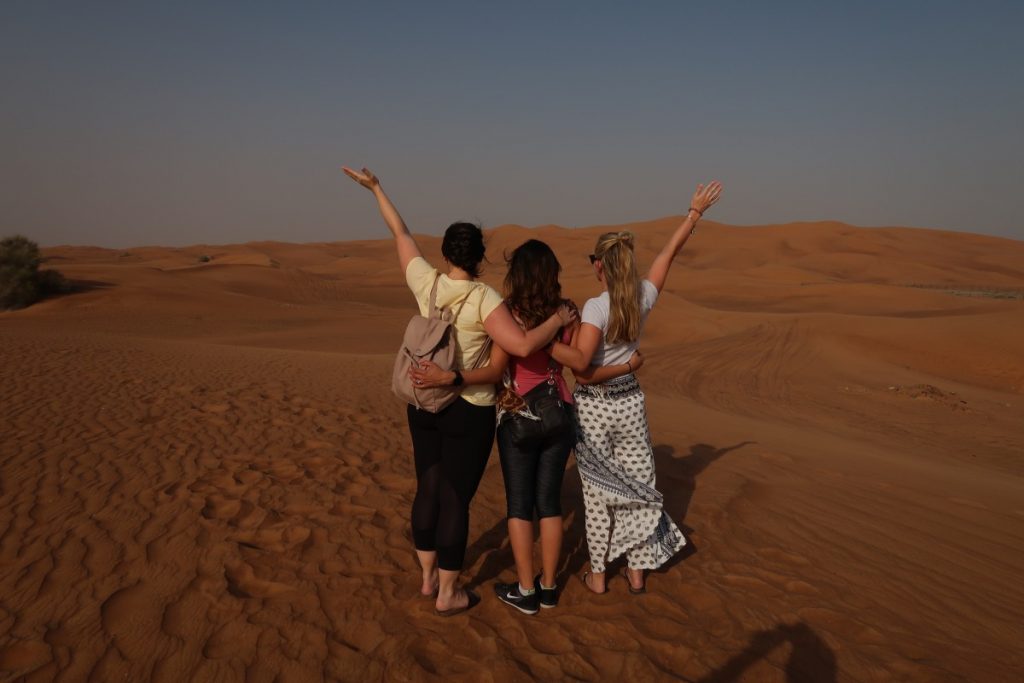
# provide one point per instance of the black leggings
(451, 449)
(533, 462)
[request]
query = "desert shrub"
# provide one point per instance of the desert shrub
(204, 259)
(21, 281)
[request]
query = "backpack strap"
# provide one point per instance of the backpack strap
(456, 315)
(432, 304)
(443, 312)
(485, 350)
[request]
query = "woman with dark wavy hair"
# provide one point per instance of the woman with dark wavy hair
(451, 447)
(536, 428)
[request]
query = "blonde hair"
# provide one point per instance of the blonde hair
(615, 251)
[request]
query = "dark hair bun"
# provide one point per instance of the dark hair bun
(463, 246)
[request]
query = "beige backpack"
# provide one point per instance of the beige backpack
(430, 337)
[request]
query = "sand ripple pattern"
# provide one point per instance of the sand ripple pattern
(203, 476)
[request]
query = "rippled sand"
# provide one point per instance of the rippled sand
(204, 476)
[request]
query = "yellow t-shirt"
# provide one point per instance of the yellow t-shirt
(477, 299)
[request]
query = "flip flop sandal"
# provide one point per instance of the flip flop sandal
(474, 600)
(624, 573)
(586, 583)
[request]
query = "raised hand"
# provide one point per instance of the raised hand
(705, 196)
(364, 178)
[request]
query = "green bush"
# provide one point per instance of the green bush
(21, 281)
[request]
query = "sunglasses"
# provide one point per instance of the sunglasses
(593, 259)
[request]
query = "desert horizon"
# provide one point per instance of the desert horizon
(541, 226)
(206, 476)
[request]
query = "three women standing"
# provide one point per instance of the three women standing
(624, 512)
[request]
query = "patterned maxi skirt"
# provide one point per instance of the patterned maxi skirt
(624, 513)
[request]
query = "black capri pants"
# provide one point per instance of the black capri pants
(533, 463)
(451, 449)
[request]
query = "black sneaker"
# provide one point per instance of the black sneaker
(548, 596)
(509, 594)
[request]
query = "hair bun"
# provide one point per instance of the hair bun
(463, 246)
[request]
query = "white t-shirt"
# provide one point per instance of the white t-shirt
(596, 313)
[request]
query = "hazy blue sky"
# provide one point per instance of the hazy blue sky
(172, 123)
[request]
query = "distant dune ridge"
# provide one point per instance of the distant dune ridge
(205, 477)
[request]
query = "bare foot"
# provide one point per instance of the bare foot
(430, 583)
(458, 598)
(635, 578)
(594, 581)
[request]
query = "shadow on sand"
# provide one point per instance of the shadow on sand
(72, 287)
(810, 660)
(677, 480)
(493, 545)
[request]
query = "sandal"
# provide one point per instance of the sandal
(585, 579)
(474, 600)
(634, 591)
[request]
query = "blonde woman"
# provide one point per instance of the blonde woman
(624, 513)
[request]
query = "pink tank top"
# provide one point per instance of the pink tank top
(535, 369)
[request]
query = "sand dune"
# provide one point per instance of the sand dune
(204, 476)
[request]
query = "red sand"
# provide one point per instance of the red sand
(204, 476)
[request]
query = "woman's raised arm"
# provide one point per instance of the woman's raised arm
(407, 247)
(702, 200)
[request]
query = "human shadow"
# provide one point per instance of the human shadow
(493, 545)
(574, 540)
(677, 481)
(811, 659)
(677, 475)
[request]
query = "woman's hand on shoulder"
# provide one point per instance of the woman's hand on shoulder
(366, 178)
(429, 376)
(568, 313)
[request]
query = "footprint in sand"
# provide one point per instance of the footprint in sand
(277, 539)
(243, 583)
(220, 507)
